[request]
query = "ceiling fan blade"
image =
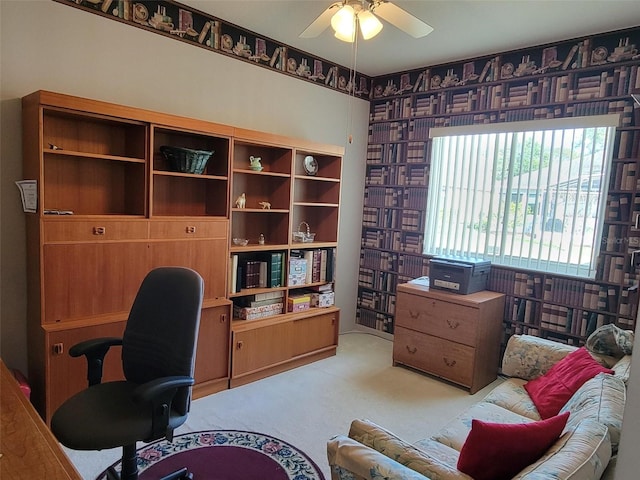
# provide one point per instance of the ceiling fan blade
(321, 23)
(402, 19)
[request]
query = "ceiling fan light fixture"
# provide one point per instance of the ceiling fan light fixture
(369, 24)
(344, 24)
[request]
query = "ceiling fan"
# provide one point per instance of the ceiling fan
(348, 16)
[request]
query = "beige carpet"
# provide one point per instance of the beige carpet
(310, 404)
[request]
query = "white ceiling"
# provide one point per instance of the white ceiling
(463, 28)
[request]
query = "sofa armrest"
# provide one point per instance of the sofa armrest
(351, 460)
(438, 461)
(528, 357)
(581, 452)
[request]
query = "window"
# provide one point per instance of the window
(531, 197)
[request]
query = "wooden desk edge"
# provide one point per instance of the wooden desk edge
(15, 407)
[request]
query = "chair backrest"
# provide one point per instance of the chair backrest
(162, 329)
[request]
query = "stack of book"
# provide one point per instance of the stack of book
(260, 305)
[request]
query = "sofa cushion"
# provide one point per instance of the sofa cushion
(622, 368)
(611, 341)
(495, 451)
(456, 431)
(581, 453)
(552, 390)
(511, 395)
(602, 399)
(528, 357)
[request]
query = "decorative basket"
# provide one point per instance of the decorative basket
(302, 236)
(186, 160)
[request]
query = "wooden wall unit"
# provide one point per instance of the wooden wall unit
(110, 208)
(282, 341)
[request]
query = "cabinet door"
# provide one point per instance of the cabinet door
(68, 375)
(206, 256)
(314, 333)
(89, 279)
(261, 348)
(212, 356)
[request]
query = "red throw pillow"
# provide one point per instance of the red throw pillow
(494, 451)
(552, 390)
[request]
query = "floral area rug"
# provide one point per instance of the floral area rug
(225, 454)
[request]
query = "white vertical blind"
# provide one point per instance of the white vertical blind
(530, 198)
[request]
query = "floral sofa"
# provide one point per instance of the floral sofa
(581, 452)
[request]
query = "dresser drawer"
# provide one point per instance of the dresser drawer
(177, 229)
(434, 355)
(437, 317)
(71, 230)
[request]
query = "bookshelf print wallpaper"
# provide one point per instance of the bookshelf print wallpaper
(585, 76)
(200, 29)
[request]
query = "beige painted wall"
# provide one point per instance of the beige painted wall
(49, 46)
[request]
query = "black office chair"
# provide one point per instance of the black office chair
(158, 354)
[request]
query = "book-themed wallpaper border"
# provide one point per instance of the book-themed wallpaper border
(186, 24)
(579, 53)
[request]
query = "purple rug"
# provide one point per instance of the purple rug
(225, 455)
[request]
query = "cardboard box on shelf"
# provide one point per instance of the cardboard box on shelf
(299, 303)
(325, 299)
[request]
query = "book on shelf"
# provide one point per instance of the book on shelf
(274, 274)
(250, 274)
(233, 274)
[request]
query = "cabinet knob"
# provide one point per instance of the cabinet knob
(57, 348)
(191, 229)
(453, 324)
(223, 318)
(449, 363)
(239, 345)
(99, 230)
(412, 350)
(413, 314)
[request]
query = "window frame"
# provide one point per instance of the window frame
(547, 265)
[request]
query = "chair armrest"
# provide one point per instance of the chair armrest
(528, 357)
(94, 350)
(160, 394)
(148, 392)
(349, 460)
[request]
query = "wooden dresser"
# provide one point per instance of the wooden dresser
(452, 336)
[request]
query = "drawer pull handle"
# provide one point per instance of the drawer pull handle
(453, 324)
(99, 230)
(191, 229)
(412, 350)
(449, 363)
(413, 314)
